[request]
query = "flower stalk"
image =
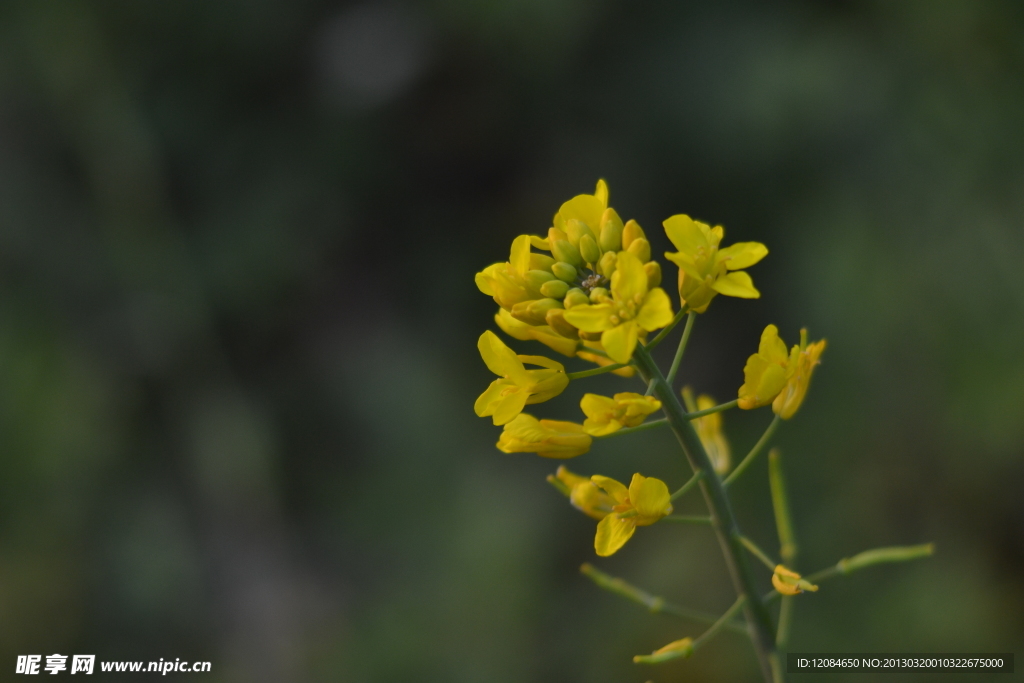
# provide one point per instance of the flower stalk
(762, 631)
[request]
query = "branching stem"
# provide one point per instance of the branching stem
(762, 630)
(754, 452)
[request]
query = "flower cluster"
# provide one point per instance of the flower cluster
(589, 289)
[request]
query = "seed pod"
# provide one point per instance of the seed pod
(555, 318)
(564, 251)
(640, 248)
(575, 297)
(564, 271)
(589, 250)
(630, 232)
(611, 230)
(554, 289)
(653, 270)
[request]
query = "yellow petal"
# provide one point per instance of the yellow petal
(629, 281)
(601, 192)
(736, 284)
(612, 534)
(620, 341)
(742, 254)
(685, 234)
(772, 347)
(542, 361)
(590, 500)
(499, 358)
(590, 317)
(488, 401)
(596, 406)
(612, 487)
(650, 497)
(519, 258)
(511, 405)
(656, 311)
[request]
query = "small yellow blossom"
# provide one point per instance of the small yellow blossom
(773, 376)
(506, 397)
(643, 503)
(542, 333)
(519, 279)
(608, 415)
(583, 493)
(631, 309)
(788, 582)
(677, 649)
(546, 438)
(709, 429)
(705, 270)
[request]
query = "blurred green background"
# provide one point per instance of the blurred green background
(238, 324)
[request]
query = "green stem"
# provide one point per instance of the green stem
(694, 480)
(670, 377)
(596, 371)
(866, 559)
(713, 409)
(754, 452)
(654, 604)
(780, 503)
(758, 553)
(724, 621)
(687, 519)
(762, 630)
(639, 428)
(664, 332)
(785, 619)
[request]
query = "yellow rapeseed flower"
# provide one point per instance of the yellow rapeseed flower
(608, 415)
(546, 438)
(788, 582)
(583, 493)
(709, 429)
(643, 503)
(519, 279)
(705, 270)
(631, 308)
(773, 376)
(542, 333)
(517, 386)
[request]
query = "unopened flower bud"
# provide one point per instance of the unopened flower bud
(556, 319)
(607, 265)
(537, 278)
(564, 271)
(554, 289)
(576, 229)
(598, 294)
(640, 248)
(630, 232)
(590, 336)
(653, 270)
(575, 297)
(611, 230)
(554, 234)
(564, 251)
(589, 250)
